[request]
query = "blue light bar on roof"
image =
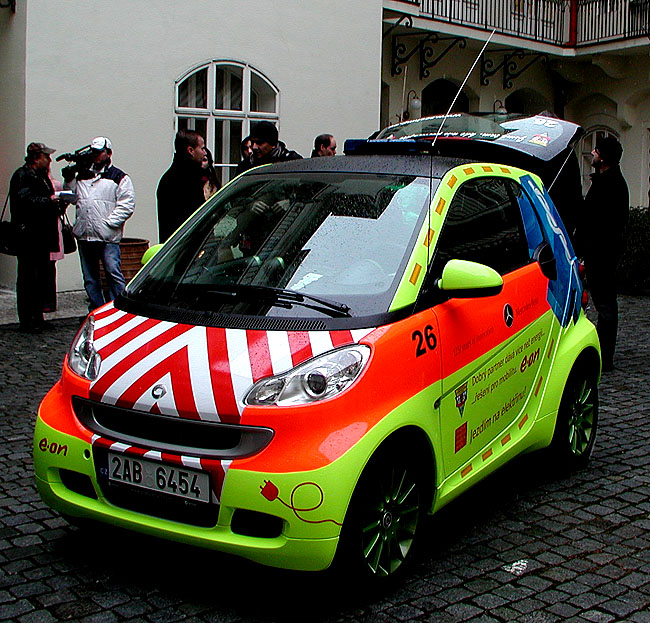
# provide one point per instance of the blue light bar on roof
(365, 147)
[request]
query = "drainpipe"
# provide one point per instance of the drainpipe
(573, 23)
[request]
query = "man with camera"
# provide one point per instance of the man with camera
(35, 212)
(105, 200)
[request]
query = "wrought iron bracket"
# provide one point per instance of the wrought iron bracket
(427, 51)
(400, 53)
(511, 65)
(405, 20)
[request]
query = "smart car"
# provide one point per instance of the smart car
(329, 349)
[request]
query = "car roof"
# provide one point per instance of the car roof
(489, 136)
(413, 163)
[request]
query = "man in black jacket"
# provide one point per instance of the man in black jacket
(180, 190)
(601, 236)
(35, 210)
(267, 149)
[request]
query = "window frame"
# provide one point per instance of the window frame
(211, 115)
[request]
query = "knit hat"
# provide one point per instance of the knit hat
(609, 150)
(264, 132)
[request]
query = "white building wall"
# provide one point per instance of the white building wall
(12, 112)
(108, 68)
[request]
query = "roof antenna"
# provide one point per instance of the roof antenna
(462, 86)
(435, 138)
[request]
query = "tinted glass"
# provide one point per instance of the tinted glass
(263, 96)
(199, 124)
(484, 225)
(228, 84)
(193, 91)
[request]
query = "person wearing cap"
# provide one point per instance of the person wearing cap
(35, 210)
(181, 188)
(105, 200)
(267, 148)
(324, 145)
(600, 238)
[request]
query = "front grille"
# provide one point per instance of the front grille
(171, 434)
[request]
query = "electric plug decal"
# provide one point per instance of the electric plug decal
(270, 491)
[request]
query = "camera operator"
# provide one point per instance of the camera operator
(35, 210)
(105, 200)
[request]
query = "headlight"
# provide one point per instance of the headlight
(83, 358)
(319, 378)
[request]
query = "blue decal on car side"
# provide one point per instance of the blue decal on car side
(565, 292)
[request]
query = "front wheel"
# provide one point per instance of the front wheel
(386, 512)
(577, 420)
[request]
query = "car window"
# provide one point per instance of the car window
(484, 225)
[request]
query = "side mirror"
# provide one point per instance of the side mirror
(464, 279)
(543, 254)
(150, 252)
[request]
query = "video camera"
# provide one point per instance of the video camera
(83, 161)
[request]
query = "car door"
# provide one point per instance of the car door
(492, 347)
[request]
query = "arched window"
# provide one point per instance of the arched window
(220, 100)
(587, 145)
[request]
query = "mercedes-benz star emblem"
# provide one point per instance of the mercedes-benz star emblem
(508, 315)
(158, 392)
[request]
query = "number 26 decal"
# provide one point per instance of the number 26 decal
(424, 341)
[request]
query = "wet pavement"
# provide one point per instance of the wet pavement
(522, 546)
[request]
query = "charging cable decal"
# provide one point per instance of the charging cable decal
(271, 493)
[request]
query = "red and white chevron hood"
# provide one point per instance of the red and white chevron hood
(202, 372)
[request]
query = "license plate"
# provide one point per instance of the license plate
(181, 481)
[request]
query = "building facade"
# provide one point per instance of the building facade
(583, 60)
(137, 72)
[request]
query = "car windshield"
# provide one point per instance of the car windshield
(302, 245)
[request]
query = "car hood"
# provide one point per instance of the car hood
(205, 372)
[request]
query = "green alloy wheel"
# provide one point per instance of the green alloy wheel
(577, 422)
(386, 513)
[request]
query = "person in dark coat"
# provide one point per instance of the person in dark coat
(601, 236)
(267, 149)
(35, 210)
(180, 190)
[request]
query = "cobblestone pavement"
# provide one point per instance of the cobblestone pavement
(522, 546)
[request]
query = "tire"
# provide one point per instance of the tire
(381, 529)
(577, 420)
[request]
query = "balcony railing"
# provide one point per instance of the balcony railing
(558, 22)
(610, 20)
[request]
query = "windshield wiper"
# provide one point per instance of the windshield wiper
(285, 298)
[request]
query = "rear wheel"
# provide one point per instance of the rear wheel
(577, 420)
(381, 529)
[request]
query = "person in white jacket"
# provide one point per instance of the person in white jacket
(105, 200)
